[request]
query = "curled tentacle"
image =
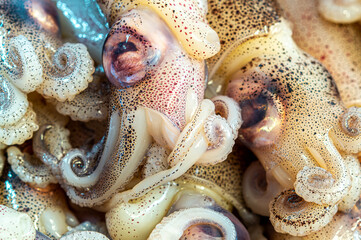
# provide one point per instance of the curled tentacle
(20, 131)
(68, 73)
(220, 136)
(347, 137)
(342, 226)
(259, 188)
(137, 218)
(340, 11)
(187, 218)
(29, 169)
(191, 146)
(13, 104)
(26, 71)
(228, 109)
(91, 104)
(327, 184)
(221, 130)
(77, 165)
(289, 213)
(85, 235)
(351, 121)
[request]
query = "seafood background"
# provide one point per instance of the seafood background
(181, 119)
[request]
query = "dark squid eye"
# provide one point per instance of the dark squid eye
(262, 118)
(261, 108)
(128, 57)
(254, 110)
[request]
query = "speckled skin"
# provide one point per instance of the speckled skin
(159, 92)
(337, 46)
(290, 104)
(226, 179)
(163, 89)
(236, 21)
(137, 218)
(33, 57)
(18, 195)
(343, 226)
(23, 161)
(26, 18)
(185, 18)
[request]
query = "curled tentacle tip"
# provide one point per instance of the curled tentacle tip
(20, 131)
(317, 185)
(351, 121)
(71, 71)
(29, 169)
(291, 214)
(228, 108)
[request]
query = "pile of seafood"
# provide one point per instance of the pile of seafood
(180, 119)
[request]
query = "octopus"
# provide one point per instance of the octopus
(294, 118)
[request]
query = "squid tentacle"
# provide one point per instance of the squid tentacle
(70, 71)
(29, 169)
(327, 184)
(26, 72)
(289, 213)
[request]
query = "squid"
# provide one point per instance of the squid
(294, 118)
(197, 205)
(156, 67)
(33, 58)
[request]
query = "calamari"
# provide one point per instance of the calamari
(293, 116)
(158, 82)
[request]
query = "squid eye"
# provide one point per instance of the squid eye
(44, 13)
(261, 120)
(261, 109)
(128, 56)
